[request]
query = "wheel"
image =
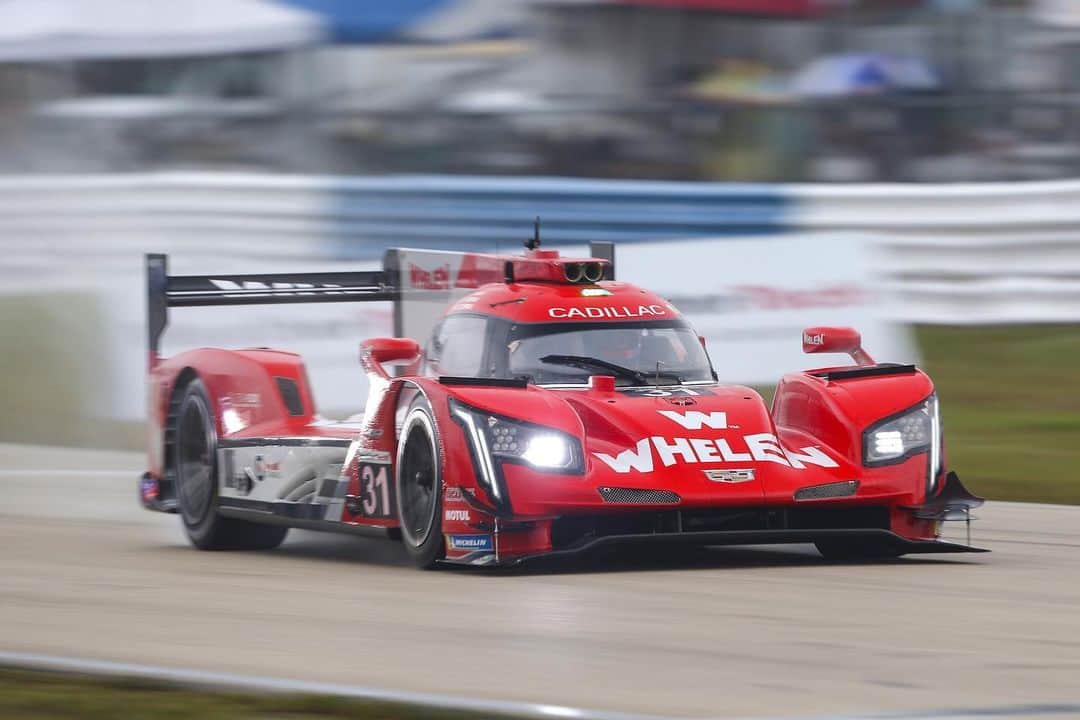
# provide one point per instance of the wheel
(197, 483)
(418, 485)
(856, 550)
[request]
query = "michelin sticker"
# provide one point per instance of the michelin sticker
(471, 542)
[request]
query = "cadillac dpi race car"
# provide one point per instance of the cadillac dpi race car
(550, 411)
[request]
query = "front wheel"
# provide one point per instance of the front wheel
(197, 483)
(418, 480)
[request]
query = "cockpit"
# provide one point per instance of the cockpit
(647, 352)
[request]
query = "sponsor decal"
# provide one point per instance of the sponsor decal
(471, 542)
(437, 279)
(664, 392)
(618, 312)
(656, 451)
(758, 447)
(772, 298)
(263, 469)
(277, 287)
(695, 419)
(149, 489)
(594, 292)
(245, 400)
(730, 476)
(815, 339)
(457, 515)
(453, 494)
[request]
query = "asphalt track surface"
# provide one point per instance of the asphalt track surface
(733, 632)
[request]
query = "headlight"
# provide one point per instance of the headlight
(913, 431)
(497, 438)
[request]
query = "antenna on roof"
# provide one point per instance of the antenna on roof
(534, 242)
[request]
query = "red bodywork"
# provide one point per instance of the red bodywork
(716, 448)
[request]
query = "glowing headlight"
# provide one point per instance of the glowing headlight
(502, 438)
(888, 443)
(915, 430)
(547, 451)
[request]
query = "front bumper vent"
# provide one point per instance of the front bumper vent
(829, 490)
(636, 496)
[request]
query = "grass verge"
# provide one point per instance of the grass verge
(1010, 399)
(32, 695)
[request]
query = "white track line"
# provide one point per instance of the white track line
(11, 473)
(230, 681)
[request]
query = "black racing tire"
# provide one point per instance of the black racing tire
(857, 550)
(196, 473)
(418, 485)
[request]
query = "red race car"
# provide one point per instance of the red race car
(552, 410)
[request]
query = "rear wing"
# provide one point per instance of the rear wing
(402, 281)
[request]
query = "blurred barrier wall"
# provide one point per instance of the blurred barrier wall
(944, 254)
(952, 253)
(962, 254)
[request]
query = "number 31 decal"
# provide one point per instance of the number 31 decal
(375, 491)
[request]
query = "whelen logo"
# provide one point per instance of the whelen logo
(620, 312)
(695, 420)
(758, 447)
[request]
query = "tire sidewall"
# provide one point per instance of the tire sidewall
(201, 531)
(430, 550)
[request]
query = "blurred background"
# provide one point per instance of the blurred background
(904, 165)
(732, 90)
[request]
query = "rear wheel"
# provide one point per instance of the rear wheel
(857, 550)
(197, 483)
(419, 486)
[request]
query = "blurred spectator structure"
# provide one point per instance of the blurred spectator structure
(771, 90)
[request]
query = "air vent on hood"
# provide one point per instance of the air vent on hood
(828, 490)
(869, 371)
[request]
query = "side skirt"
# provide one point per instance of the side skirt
(256, 511)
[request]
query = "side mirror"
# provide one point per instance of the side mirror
(376, 352)
(824, 339)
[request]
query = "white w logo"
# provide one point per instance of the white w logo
(695, 419)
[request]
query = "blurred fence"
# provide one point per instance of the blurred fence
(951, 254)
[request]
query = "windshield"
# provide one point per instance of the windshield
(662, 352)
